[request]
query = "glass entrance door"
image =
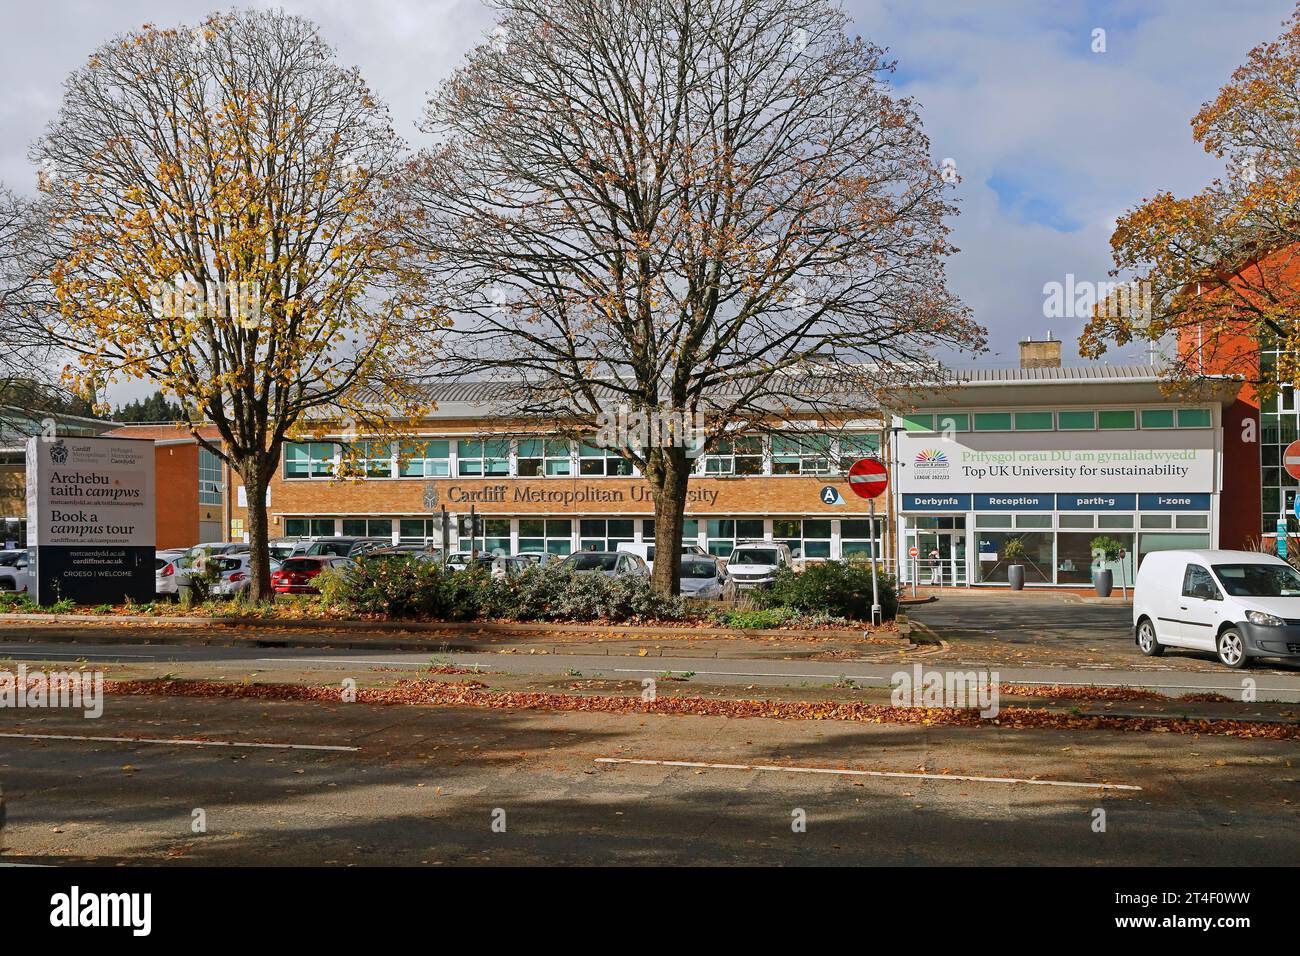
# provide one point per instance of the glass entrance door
(941, 552)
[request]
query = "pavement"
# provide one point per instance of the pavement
(452, 785)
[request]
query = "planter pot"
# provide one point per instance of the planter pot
(1103, 581)
(1016, 575)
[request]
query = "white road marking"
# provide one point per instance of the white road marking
(189, 743)
(868, 773)
(661, 670)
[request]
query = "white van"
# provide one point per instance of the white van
(1238, 604)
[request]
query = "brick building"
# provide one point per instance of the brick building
(189, 484)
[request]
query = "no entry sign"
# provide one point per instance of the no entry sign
(868, 477)
(1291, 459)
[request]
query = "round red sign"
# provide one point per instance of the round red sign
(868, 477)
(1291, 459)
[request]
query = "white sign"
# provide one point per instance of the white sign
(90, 492)
(1132, 461)
(241, 496)
(90, 519)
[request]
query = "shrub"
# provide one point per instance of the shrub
(408, 588)
(757, 617)
(838, 588)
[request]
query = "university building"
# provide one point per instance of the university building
(1057, 457)
(538, 490)
(1053, 456)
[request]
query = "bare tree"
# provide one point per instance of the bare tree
(219, 223)
(698, 208)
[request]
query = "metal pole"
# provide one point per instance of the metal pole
(446, 538)
(473, 538)
(875, 589)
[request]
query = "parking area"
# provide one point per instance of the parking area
(1028, 628)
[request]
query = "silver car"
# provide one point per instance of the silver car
(612, 564)
(234, 573)
(706, 577)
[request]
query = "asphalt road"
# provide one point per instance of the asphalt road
(225, 661)
(426, 785)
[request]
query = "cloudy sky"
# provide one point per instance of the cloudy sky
(1051, 140)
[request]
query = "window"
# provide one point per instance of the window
(489, 458)
(1197, 583)
(1076, 521)
(808, 454)
(210, 485)
(1158, 521)
(554, 535)
(602, 534)
(857, 536)
(1194, 418)
(544, 458)
(493, 536)
(368, 527)
(309, 527)
(369, 459)
(426, 459)
(1157, 418)
(994, 521)
(420, 530)
(1114, 521)
(918, 423)
(1033, 521)
(740, 456)
(1117, 419)
(309, 459)
(952, 422)
(722, 534)
(1033, 421)
(807, 539)
(856, 447)
(1192, 521)
(1076, 421)
(993, 421)
(596, 461)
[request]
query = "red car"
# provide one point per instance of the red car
(296, 574)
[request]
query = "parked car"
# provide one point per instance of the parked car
(1238, 604)
(346, 547)
(235, 570)
(415, 552)
(165, 583)
(706, 577)
(15, 571)
(612, 564)
(296, 574)
(645, 550)
(753, 564)
(540, 558)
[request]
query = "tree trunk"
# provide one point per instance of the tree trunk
(669, 475)
(259, 571)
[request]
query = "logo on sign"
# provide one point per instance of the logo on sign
(59, 453)
(931, 462)
(830, 496)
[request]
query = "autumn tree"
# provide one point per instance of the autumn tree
(704, 210)
(218, 223)
(1218, 273)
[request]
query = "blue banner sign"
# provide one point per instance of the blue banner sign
(1173, 501)
(936, 502)
(1101, 501)
(1013, 501)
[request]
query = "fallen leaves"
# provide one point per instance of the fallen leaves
(473, 694)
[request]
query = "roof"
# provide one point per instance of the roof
(163, 432)
(1093, 372)
(17, 425)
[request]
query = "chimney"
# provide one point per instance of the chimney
(1045, 354)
